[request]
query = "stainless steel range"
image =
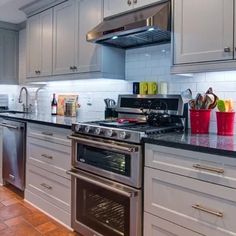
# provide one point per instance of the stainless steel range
(107, 164)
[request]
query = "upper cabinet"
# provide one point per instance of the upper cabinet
(39, 44)
(9, 56)
(112, 7)
(65, 50)
(203, 35)
(65, 37)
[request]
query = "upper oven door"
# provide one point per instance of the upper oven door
(115, 160)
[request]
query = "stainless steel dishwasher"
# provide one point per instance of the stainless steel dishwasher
(14, 154)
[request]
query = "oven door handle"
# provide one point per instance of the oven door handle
(105, 145)
(129, 194)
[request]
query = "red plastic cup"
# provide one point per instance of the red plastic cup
(200, 121)
(225, 123)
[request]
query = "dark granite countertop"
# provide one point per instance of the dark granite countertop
(210, 143)
(45, 119)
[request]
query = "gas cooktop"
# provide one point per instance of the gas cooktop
(132, 123)
(128, 132)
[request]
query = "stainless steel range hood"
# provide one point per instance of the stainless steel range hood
(150, 25)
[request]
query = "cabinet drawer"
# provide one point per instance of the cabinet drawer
(49, 133)
(155, 226)
(49, 156)
(203, 207)
(51, 187)
(211, 168)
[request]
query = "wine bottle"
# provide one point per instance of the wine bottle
(54, 105)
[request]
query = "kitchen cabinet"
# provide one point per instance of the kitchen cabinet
(156, 226)
(9, 56)
(112, 7)
(39, 44)
(48, 158)
(203, 30)
(180, 197)
(71, 53)
(65, 37)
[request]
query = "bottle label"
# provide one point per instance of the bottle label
(54, 110)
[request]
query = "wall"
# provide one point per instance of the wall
(147, 63)
(153, 63)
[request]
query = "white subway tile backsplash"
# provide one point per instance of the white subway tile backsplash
(158, 59)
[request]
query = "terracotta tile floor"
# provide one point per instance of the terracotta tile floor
(18, 218)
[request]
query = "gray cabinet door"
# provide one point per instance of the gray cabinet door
(39, 44)
(89, 54)
(65, 37)
(9, 56)
(33, 45)
(113, 7)
(46, 18)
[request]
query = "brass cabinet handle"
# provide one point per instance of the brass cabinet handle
(47, 156)
(209, 168)
(46, 186)
(47, 133)
(129, 2)
(227, 49)
(207, 210)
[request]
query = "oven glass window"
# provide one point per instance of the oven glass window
(109, 160)
(102, 210)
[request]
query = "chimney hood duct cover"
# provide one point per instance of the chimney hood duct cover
(150, 25)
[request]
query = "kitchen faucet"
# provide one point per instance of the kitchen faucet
(26, 106)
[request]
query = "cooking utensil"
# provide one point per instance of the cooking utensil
(110, 103)
(199, 101)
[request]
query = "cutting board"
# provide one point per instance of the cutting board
(62, 99)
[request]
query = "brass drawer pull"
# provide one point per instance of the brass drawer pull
(46, 186)
(47, 156)
(47, 133)
(208, 168)
(207, 210)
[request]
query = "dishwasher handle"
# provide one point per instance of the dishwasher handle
(9, 126)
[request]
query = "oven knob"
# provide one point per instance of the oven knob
(78, 128)
(123, 135)
(110, 133)
(97, 131)
(87, 129)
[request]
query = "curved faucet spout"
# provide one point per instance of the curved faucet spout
(26, 106)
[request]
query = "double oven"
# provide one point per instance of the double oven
(106, 186)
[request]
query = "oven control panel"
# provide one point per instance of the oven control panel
(108, 132)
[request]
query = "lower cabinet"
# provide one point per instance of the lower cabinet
(155, 226)
(48, 187)
(182, 204)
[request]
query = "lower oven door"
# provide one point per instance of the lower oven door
(118, 161)
(102, 207)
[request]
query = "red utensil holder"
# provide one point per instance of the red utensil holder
(200, 121)
(225, 123)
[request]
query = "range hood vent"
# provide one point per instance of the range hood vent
(150, 25)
